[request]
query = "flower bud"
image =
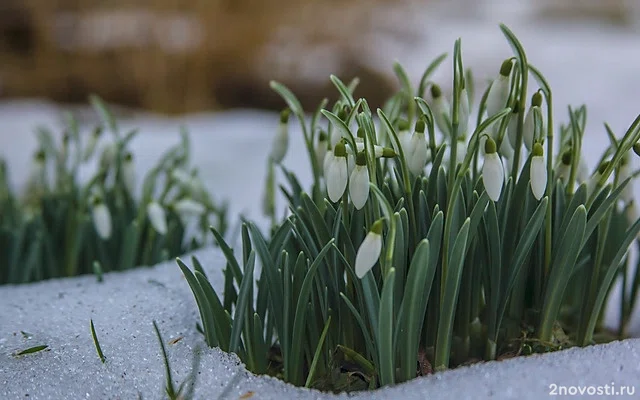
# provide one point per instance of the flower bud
(90, 148)
(538, 172)
(499, 91)
(359, 182)
(322, 147)
(369, 251)
(529, 128)
(492, 171)
(101, 218)
(416, 152)
(281, 141)
(441, 109)
(336, 172)
(157, 217)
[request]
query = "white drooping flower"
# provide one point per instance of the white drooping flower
(336, 172)
(281, 140)
(90, 148)
(512, 127)
(492, 171)
(369, 251)
(529, 128)
(129, 173)
(593, 184)
(563, 168)
(416, 153)
(157, 217)
(101, 218)
(538, 172)
(499, 92)
(322, 146)
(441, 109)
(188, 208)
(583, 171)
(359, 182)
(464, 112)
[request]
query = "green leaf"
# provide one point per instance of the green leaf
(316, 355)
(32, 350)
(427, 73)
(344, 91)
(449, 300)
(563, 261)
(386, 322)
(414, 305)
(288, 96)
(96, 342)
(203, 305)
(221, 319)
(294, 372)
(244, 305)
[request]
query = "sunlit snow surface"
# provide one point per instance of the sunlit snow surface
(596, 66)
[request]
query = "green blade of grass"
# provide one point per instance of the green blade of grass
(96, 342)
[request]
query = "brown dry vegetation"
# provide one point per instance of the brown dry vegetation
(176, 56)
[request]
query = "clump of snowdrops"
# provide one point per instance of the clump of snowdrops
(61, 225)
(429, 240)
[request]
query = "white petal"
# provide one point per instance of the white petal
(506, 150)
(493, 175)
(417, 153)
(188, 207)
(359, 186)
(129, 176)
(102, 220)
(498, 95)
(337, 176)
(441, 111)
(351, 163)
(157, 217)
(368, 253)
(538, 176)
(280, 144)
(328, 160)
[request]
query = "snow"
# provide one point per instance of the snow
(592, 65)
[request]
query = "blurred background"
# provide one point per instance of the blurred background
(177, 56)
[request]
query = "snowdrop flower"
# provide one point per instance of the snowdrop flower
(101, 218)
(322, 146)
(512, 127)
(492, 171)
(499, 91)
(157, 217)
(563, 168)
(90, 148)
(529, 128)
(187, 208)
(593, 183)
(625, 172)
(281, 140)
(359, 182)
(441, 109)
(369, 251)
(583, 171)
(538, 172)
(463, 114)
(336, 172)
(416, 151)
(129, 173)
